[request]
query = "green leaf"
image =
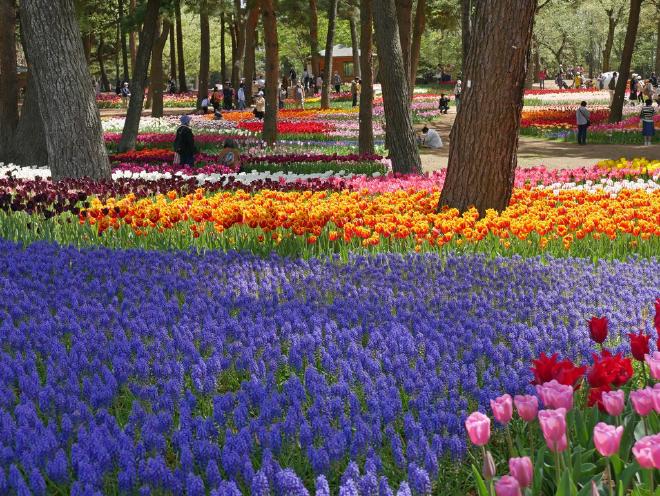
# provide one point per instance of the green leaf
(617, 465)
(586, 488)
(566, 485)
(479, 482)
(627, 475)
(538, 470)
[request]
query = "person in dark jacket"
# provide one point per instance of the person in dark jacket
(184, 143)
(228, 96)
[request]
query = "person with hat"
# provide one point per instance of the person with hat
(184, 143)
(125, 95)
(228, 96)
(355, 90)
(230, 155)
(260, 106)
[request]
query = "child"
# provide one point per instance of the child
(444, 104)
(205, 106)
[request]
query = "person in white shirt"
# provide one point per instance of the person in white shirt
(240, 95)
(430, 139)
(582, 119)
(458, 90)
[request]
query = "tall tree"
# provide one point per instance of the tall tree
(132, 44)
(30, 137)
(100, 57)
(172, 73)
(250, 48)
(122, 35)
(402, 147)
(614, 15)
(466, 26)
(366, 132)
(240, 25)
(355, 43)
(183, 85)
(616, 110)
(139, 81)
(157, 73)
(482, 153)
(314, 36)
(404, 21)
(329, 44)
(269, 18)
(418, 31)
(74, 137)
(223, 55)
(204, 52)
(8, 80)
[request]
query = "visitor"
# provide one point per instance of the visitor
(230, 155)
(118, 88)
(260, 105)
(542, 75)
(640, 89)
(205, 105)
(184, 143)
(306, 79)
(582, 116)
(633, 90)
(336, 79)
(654, 80)
(430, 139)
(217, 114)
(458, 91)
(125, 95)
(240, 96)
(355, 90)
(647, 116)
(648, 91)
(171, 86)
(319, 84)
(281, 97)
(227, 96)
(611, 86)
(577, 80)
(559, 81)
(299, 96)
(261, 83)
(215, 98)
(292, 76)
(444, 104)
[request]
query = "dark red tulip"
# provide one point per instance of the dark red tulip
(598, 329)
(639, 345)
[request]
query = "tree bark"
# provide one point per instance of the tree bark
(609, 42)
(269, 18)
(657, 46)
(29, 146)
(240, 26)
(366, 132)
(402, 148)
(157, 73)
(183, 85)
(314, 36)
(223, 50)
(404, 20)
(234, 44)
(8, 79)
(250, 47)
(418, 31)
(172, 73)
(330, 40)
(355, 44)
(466, 26)
(132, 44)
(204, 54)
(87, 47)
(74, 137)
(124, 46)
(484, 138)
(616, 110)
(139, 82)
(100, 56)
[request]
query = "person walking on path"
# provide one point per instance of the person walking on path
(611, 86)
(355, 91)
(458, 90)
(319, 84)
(336, 79)
(647, 116)
(125, 95)
(240, 96)
(184, 143)
(227, 96)
(281, 97)
(582, 116)
(542, 75)
(299, 95)
(259, 106)
(633, 90)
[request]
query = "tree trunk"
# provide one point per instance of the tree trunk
(616, 110)
(327, 80)
(355, 44)
(124, 46)
(183, 85)
(418, 31)
(172, 74)
(466, 27)
(609, 42)
(250, 47)
(87, 47)
(484, 138)
(131, 41)
(204, 54)
(223, 50)
(657, 47)
(139, 82)
(234, 46)
(74, 136)
(240, 26)
(100, 56)
(272, 70)
(29, 147)
(404, 20)
(157, 73)
(366, 132)
(314, 36)
(403, 149)
(8, 80)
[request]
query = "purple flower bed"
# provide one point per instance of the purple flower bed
(130, 371)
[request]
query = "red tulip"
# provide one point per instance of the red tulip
(609, 370)
(598, 329)
(596, 397)
(639, 345)
(548, 368)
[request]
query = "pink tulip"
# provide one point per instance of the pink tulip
(553, 425)
(642, 401)
(478, 427)
(502, 408)
(656, 398)
(607, 438)
(507, 486)
(556, 395)
(488, 469)
(654, 364)
(644, 451)
(522, 470)
(527, 406)
(614, 402)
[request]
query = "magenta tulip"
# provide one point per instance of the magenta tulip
(642, 401)
(614, 402)
(478, 428)
(656, 398)
(556, 395)
(502, 409)
(607, 438)
(644, 451)
(522, 469)
(553, 425)
(527, 406)
(507, 486)
(653, 362)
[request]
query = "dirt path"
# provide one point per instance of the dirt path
(533, 152)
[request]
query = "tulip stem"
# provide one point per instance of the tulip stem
(490, 481)
(557, 465)
(509, 441)
(608, 474)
